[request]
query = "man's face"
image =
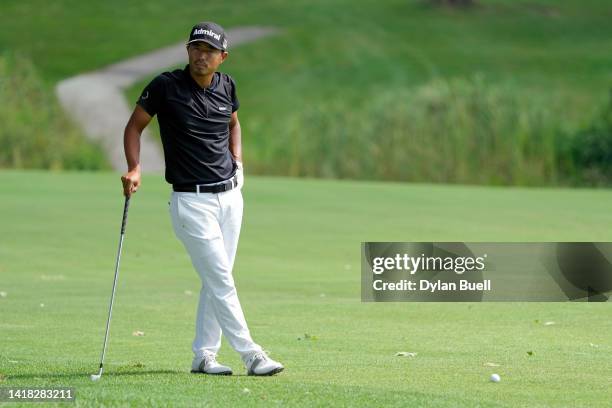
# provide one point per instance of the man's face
(204, 59)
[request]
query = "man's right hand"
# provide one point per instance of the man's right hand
(131, 181)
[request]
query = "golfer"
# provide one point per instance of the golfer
(198, 121)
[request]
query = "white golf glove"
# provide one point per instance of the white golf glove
(240, 174)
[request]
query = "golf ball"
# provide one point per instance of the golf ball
(495, 378)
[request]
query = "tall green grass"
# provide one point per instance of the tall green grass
(34, 132)
(458, 130)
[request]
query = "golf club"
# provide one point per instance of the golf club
(96, 377)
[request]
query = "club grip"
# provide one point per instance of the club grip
(125, 213)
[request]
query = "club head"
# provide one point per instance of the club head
(95, 377)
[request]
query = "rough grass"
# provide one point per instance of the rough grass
(297, 273)
(35, 132)
(332, 95)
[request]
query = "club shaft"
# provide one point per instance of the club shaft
(112, 299)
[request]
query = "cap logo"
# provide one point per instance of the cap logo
(209, 33)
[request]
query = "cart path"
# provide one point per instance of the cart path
(95, 100)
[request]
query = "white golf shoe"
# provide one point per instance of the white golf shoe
(260, 364)
(208, 364)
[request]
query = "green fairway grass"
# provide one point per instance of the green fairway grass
(297, 274)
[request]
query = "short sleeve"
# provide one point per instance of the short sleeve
(152, 96)
(234, 96)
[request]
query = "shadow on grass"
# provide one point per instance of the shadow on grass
(81, 374)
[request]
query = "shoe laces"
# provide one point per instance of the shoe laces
(259, 354)
(209, 358)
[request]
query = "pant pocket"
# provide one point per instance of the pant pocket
(173, 210)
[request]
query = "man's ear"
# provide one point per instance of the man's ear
(224, 55)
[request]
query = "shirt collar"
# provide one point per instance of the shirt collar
(192, 81)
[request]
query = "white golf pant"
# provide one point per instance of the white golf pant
(208, 225)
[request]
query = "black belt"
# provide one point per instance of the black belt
(203, 188)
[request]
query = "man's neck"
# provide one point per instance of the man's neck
(204, 81)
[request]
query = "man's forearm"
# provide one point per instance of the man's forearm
(235, 142)
(131, 145)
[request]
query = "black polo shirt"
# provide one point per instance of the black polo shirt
(194, 125)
